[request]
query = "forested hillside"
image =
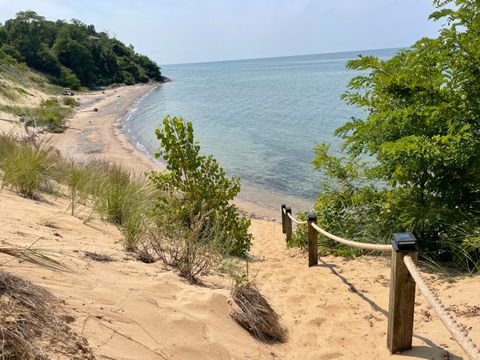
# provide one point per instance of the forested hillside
(72, 53)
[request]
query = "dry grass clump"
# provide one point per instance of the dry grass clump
(255, 314)
(32, 326)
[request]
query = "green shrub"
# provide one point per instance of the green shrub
(203, 193)
(200, 182)
(70, 101)
(68, 78)
(411, 161)
(50, 114)
(191, 249)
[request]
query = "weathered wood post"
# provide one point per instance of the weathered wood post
(283, 218)
(312, 239)
(288, 223)
(402, 294)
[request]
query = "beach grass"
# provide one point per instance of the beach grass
(50, 114)
(123, 198)
(80, 182)
(113, 193)
(28, 168)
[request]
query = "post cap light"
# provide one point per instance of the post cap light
(404, 242)
(312, 216)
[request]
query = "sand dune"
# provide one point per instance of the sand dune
(131, 310)
(125, 308)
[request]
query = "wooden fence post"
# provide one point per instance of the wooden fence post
(283, 218)
(288, 223)
(312, 239)
(402, 294)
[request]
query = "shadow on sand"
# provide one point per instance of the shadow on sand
(432, 351)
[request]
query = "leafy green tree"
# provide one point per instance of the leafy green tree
(93, 58)
(202, 187)
(68, 78)
(3, 34)
(13, 52)
(414, 160)
(78, 58)
(31, 35)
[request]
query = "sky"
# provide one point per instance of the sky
(184, 31)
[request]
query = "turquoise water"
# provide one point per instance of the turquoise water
(260, 118)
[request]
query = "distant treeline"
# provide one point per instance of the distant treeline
(73, 53)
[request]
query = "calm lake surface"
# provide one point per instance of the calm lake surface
(260, 118)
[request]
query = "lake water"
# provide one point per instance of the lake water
(260, 118)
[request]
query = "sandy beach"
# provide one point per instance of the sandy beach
(131, 310)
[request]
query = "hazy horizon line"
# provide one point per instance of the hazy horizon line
(281, 56)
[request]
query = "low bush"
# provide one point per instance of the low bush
(50, 113)
(191, 249)
(70, 101)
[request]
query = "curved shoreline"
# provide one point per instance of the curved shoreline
(100, 135)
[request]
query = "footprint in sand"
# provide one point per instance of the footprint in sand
(334, 309)
(316, 322)
(288, 279)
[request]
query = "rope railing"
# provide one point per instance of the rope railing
(355, 244)
(404, 277)
(298, 222)
(460, 335)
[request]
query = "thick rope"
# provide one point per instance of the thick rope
(298, 222)
(284, 211)
(355, 244)
(460, 335)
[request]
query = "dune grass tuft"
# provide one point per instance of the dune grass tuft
(80, 181)
(29, 168)
(123, 199)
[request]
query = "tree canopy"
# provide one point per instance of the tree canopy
(412, 163)
(74, 53)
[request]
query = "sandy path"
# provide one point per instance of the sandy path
(338, 309)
